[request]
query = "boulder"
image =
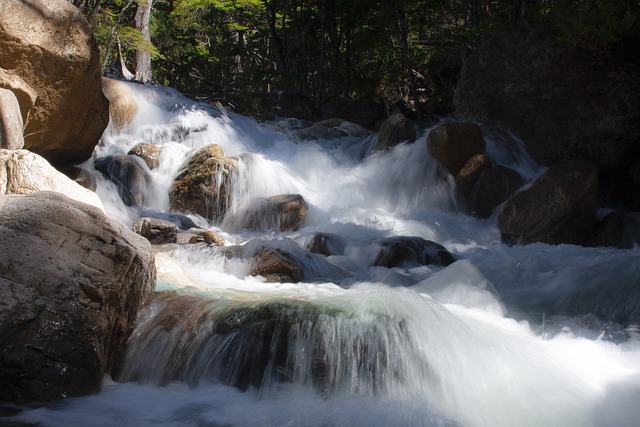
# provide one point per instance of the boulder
(325, 129)
(148, 152)
(563, 102)
(558, 207)
(71, 284)
(281, 213)
(395, 130)
(123, 106)
(365, 112)
(130, 174)
(494, 186)
(50, 45)
(453, 144)
(24, 93)
(276, 265)
(10, 121)
(325, 244)
(203, 186)
(24, 172)
(156, 231)
(407, 250)
(469, 174)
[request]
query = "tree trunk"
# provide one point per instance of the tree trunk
(143, 54)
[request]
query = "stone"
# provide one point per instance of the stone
(276, 266)
(563, 102)
(10, 121)
(325, 244)
(395, 130)
(130, 174)
(123, 106)
(148, 152)
(406, 250)
(156, 231)
(364, 112)
(203, 185)
(558, 207)
(453, 144)
(72, 282)
(50, 46)
(281, 213)
(494, 186)
(24, 93)
(469, 174)
(24, 172)
(195, 236)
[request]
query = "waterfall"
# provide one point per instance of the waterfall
(534, 335)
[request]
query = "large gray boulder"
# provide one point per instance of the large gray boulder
(24, 172)
(71, 284)
(50, 46)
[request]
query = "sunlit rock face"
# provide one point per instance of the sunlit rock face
(71, 284)
(50, 46)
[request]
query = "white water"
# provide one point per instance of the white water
(447, 348)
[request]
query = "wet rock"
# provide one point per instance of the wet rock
(403, 250)
(195, 236)
(494, 186)
(365, 112)
(395, 130)
(71, 284)
(325, 129)
(558, 207)
(24, 172)
(123, 106)
(182, 221)
(130, 175)
(203, 186)
(156, 231)
(10, 121)
(276, 265)
(281, 213)
(50, 46)
(453, 144)
(148, 152)
(469, 174)
(325, 244)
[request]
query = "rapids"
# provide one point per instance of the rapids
(534, 335)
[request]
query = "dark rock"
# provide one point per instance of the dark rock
(284, 212)
(494, 186)
(71, 284)
(403, 250)
(156, 231)
(325, 244)
(558, 207)
(564, 102)
(130, 174)
(453, 144)
(203, 186)
(395, 130)
(366, 112)
(469, 174)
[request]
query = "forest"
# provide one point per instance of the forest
(404, 53)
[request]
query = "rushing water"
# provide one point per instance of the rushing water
(505, 336)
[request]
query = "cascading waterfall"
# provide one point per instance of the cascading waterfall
(533, 335)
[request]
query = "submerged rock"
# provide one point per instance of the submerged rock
(203, 186)
(281, 213)
(71, 284)
(276, 266)
(453, 144)
(395, 130)
(130, 175)
(558, 207)
(148, 152)
(195, 236)
(324, 243)
(402, 250)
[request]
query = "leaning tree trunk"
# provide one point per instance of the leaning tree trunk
(143, 53)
